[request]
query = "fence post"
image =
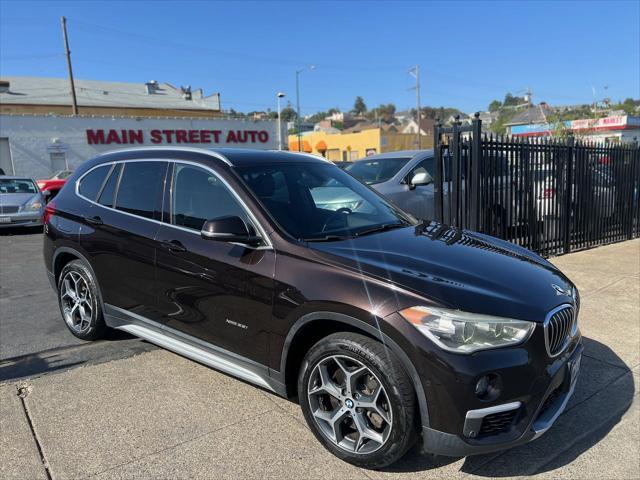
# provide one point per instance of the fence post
(476, 156)
(438, 183)
(568, 194)
(635, 167)
(454, 197)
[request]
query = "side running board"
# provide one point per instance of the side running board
(215, 360)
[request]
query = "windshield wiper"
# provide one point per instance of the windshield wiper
(326, 238)
(380, 228)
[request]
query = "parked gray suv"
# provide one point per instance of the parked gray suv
(404, 177)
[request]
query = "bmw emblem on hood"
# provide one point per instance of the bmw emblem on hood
(560, 291)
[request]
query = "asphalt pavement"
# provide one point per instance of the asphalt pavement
(33, 338)
(121, 408)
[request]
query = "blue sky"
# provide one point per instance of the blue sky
(469, 52)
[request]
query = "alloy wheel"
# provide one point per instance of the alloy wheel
(77, 302)
(349, 404)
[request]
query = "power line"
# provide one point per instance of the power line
(186, 47)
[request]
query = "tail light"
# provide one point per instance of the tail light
(49, 211)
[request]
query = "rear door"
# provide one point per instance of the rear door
(218, 292)
(119, 234)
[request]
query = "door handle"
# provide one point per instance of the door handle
(96, 220)
(174, 246)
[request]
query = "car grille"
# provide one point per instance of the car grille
(497, 422)
(558, 328)
(8, 209)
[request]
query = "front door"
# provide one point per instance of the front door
(418, 200)
(215, 291)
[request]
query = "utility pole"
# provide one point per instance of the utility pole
(415, 72)
(68, 54)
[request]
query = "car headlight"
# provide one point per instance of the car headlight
(463, 332)
(33, 205)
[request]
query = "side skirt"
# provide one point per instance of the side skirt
(192, 348)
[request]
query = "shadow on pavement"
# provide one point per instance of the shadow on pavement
(594, 410)
(20, 230)
(116, 345)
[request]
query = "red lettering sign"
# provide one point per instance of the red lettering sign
(95, 137)
(157, 137)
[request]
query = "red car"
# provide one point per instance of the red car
(54, 184)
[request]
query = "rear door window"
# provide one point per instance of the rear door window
(92, 182)
(140, 188)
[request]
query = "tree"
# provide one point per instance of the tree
(359, 107)
(288, 114)
(511, 101)
(386, 112)
(495, 106)
(630, 106)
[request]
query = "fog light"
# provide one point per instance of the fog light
(488, 387)
(482, 386)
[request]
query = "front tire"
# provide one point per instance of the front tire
(358, 400)
(79, 301)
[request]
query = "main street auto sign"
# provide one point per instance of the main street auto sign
(172, 136)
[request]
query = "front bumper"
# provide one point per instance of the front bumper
(21, 219)
(537, 418)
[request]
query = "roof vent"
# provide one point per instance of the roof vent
(4, 86)
(151, 87)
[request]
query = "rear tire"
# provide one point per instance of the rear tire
(358, 400)
(79, 301)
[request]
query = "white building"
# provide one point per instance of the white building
(38, 145)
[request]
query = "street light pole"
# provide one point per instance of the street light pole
(298, 72)
(415, 72)
(279, 96)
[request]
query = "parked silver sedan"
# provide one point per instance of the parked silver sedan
(404, 177)
(21, 202)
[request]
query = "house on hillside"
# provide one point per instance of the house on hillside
(365, 125)
(464, 119)
(426, 126)
(533, 115)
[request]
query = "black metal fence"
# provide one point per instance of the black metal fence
(551, 196)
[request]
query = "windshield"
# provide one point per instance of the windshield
(17, 185)
(320, 202)
(377, 170)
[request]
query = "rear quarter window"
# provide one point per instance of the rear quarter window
(91, 183)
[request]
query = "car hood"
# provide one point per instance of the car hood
(457, 268)
(15, 199)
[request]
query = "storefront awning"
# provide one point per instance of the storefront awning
(306, 147)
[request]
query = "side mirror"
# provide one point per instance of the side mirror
(421, 178)
(46, 193)
(231, 229)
